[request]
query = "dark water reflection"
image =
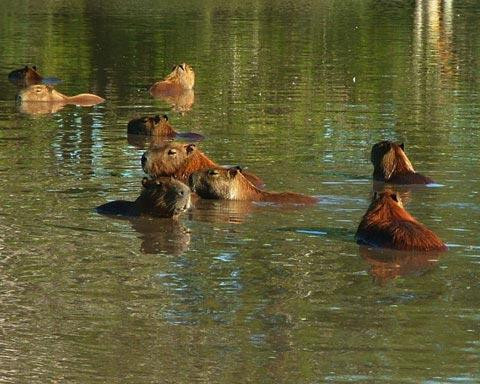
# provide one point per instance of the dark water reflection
(296, 92)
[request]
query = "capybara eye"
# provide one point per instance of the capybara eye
(172, 152)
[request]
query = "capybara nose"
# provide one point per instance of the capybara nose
(144, 160)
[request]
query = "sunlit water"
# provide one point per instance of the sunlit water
(296, 92)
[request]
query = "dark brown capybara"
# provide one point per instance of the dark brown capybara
(231, 184)
(180, 161)
(386, 224)
(157, 126)
(391, 165)
(161, 197)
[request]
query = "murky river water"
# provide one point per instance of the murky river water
(297, 92)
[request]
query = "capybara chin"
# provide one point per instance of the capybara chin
(45, 93)
(162, 197)
(180, 161)
(231, 184)
(386, 224)
(180, 79)
(26, 76)
(391, 165)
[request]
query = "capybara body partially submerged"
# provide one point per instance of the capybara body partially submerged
(231, 184)
(26, 76)
(181, 78)
(391, 165)
(162, 197)
(180, 161)
(157, 126)
(386, 224)
(45, 93)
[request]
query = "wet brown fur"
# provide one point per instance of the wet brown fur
(231, 184)
(162, 197)
(180, 79)
(151, 126)
(180, 161)
(26, 76)
(45, 93)
(391, 165)
(387, 224)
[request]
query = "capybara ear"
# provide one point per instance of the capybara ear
(156, 118)
(26, 67)
(165, 117)
(34, 67)
(190, 148)
(232, 172)
(402, 146)
(375, 195)
(145, 182)
(394, 197)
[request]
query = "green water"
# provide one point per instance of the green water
(295, 91)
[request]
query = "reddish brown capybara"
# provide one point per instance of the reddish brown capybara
(162, 197)
(157, 126)
(181, 78)
(386, 224)
(391, 165)
(26, 76)
(45, 93)
(231, 184)
(180, 161)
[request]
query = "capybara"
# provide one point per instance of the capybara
(180, 79)
(386, 224)
(231, 184)
(157, 126)
(45, 93)
(161, 197)
(391, 165)
(181, 160)
(26, 76)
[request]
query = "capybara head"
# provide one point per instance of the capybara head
(25, 76)
(150, 125)
(182, 74)
(167, 159)
(218, 183)
(164, 197)
(388, 158)
(40, 92)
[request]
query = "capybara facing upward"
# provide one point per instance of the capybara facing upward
(231, 184)
(181, 78)
(162, 197)
(45, 93)
(386, 224)
(391, 165)
(180, 161)
(26, 76)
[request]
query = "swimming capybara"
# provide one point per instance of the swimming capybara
(391, 165)
(180, 161)
(26, 76)
(157, 126)
(386, 224)
(162, 197)
(231, 184)
(180, 79)
(45, 93)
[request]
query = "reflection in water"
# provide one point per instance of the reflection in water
(179, 102)
(386, 264)
(36, 108)
(222, 211)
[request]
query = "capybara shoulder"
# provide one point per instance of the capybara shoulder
(181, 160)
(231, 184)
(162, 197)
(387, 224)
(25, 76)
(391, 165)
(152, 126)
(180, 79)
